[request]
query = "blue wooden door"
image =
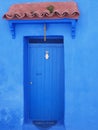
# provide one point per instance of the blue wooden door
(46, 77)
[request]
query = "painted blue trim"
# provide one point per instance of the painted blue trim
(25, 79)
(12, 24)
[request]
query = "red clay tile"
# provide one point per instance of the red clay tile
(39, 11)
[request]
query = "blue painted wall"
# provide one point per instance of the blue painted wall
(81, 68)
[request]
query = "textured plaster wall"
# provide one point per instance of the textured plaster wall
(81, 69)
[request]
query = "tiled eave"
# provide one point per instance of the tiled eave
(43, 10)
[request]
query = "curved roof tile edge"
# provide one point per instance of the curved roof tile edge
(43, 10)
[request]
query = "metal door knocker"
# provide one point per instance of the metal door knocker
(46, 55)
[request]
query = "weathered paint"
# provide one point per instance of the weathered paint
(81, 69)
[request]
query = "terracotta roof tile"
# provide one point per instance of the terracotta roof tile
(43, 10)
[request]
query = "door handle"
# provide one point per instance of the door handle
(30, 82)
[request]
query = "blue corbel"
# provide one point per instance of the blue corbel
(73, 28)
(72, 22)
(12, 29)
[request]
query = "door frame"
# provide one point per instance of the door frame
(25, 77)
